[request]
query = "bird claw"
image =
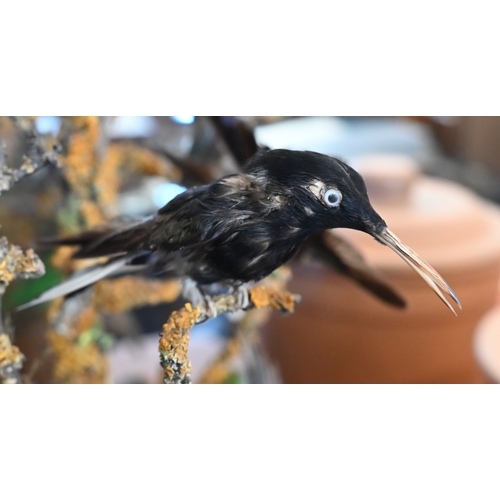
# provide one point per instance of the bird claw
(242, 297)
(198, 298)
(208, 308)
(192, 292)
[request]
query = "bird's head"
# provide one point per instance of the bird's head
(330, 194)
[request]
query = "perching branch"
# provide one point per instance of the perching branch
(175, 337)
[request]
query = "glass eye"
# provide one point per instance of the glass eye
(332, 197)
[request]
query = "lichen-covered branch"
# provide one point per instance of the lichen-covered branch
(14, 263)
(175, 336)
(174, 345)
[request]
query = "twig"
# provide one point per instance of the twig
(35, 157)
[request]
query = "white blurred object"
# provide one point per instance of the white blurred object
(349, 138)
(313, 133)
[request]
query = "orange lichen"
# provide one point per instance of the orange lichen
(262, 296)
(128, 292)
(14, 263)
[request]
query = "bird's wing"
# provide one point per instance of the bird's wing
(202, 215)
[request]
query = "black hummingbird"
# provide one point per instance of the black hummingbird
(242, 227)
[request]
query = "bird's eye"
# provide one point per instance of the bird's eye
(332, 197)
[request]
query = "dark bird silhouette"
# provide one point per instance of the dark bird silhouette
(242, 227)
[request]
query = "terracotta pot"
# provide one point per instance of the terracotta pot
(341, 334)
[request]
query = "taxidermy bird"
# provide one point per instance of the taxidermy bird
(240, 228)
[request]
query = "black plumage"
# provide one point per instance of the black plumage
(242, 227)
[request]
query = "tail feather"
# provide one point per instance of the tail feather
(83, 238)
(78, 281)
(107, 241)
(120, 242)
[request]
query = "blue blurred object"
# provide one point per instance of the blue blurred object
(183, 120)
(165, 192)
(48, 125)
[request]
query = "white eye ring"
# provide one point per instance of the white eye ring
(332, 197)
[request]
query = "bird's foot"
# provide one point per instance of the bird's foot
(193, 293)
(199, 297)
(208, 307)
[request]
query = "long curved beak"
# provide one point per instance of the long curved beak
(430, 275)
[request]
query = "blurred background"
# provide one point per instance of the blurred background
(435, 180)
